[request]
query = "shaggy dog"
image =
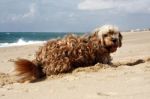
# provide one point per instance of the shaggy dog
(72, 51)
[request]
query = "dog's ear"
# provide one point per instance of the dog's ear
(100, 36)
(102, 39)
(120, 40)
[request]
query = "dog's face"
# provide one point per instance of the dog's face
(110, 37)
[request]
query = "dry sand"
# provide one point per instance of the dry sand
(130, 80)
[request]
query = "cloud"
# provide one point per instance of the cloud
(130, 6)
(95, 4)
(72, 15)
(30, 13)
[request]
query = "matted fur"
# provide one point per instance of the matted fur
(72, 51)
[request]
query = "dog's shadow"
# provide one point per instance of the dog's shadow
(100, 66)
(131, 62)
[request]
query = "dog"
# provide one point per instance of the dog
(70, 52)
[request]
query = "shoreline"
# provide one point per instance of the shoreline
(21, 41)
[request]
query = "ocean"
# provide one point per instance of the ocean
(8, 39)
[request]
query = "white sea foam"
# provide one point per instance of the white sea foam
(20, 42)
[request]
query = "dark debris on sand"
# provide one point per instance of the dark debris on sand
(5, 79)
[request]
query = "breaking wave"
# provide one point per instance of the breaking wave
(20, 42)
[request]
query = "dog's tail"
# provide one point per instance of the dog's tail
(28, 70)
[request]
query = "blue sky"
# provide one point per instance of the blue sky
(72, 15)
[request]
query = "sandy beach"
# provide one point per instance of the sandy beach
(129, 80)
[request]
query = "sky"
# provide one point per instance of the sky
(72, 15)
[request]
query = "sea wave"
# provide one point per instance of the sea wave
(20, 42)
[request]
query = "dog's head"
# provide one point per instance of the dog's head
(110, 37)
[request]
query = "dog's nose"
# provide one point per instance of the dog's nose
(114, 40)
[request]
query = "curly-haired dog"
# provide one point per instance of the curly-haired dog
(72, 51)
